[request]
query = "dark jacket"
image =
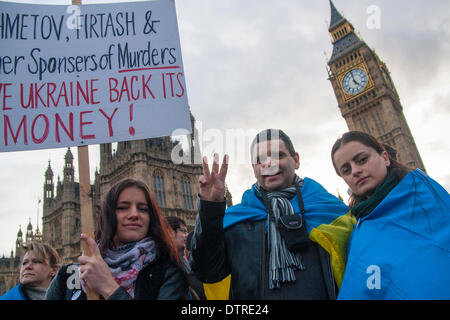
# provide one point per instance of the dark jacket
(15, 293)
(160, 280)
(241, 250)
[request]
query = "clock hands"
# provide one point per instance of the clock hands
(354, 81)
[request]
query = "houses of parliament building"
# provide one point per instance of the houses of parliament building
(366, 97)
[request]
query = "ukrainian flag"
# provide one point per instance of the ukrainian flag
(328, 222)
(401, 250)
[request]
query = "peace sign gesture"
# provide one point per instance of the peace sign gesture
(212, 184)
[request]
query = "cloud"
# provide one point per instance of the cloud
(445, 181)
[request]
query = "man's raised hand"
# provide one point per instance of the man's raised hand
(212, 183)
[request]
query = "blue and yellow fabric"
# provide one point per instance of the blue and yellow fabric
(328, 222)
(15, 293)
(401, 250)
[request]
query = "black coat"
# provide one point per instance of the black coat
(241, 250)
(160, 280)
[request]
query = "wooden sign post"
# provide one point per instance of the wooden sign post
(87, 216)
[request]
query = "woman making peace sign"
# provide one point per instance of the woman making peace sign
(133, 256)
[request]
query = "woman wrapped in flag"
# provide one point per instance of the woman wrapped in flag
(400, 246)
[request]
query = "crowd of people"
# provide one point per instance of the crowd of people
(288, 238)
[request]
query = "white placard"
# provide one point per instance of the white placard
(79, 75)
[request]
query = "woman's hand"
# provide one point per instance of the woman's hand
(95, 272)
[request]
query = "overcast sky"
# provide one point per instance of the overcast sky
(255, 64)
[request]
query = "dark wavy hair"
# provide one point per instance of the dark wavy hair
(158, 229)
(175, 222)
(395, 167)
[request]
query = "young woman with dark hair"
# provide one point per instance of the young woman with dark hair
(400, 247)
(392, 166)
(133, 256)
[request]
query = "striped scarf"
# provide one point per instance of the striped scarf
(127, 261)
(282, 262)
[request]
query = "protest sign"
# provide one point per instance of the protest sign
(80, 75)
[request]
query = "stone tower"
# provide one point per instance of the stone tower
(61, 211)
(365, 91)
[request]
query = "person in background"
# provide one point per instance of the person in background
(400, 247)
(39, 266)
(188, 250)
(179, 234)
(133, 256)
(178, 230)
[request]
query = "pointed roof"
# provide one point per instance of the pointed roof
(345, 42)
(336, 17)
(49, 172)
(68, 156)
(19, 234)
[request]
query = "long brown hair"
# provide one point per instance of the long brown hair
(158, 229)
(395, 167)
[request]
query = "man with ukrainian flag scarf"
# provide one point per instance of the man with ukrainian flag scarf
(238, 253)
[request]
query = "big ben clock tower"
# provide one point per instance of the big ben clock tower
(365, 92)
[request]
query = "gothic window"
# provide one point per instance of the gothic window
(3, 288)
(57, 231)
(77, 227)
(158, 188)
(378, 122)
(364, 125)
(186, 191)
(375, 120)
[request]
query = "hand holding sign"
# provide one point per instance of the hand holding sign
(95, 272)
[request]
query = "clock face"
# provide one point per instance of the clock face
(355, 81)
